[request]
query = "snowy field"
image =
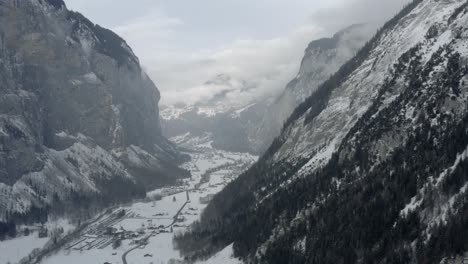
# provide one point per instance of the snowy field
(146, 229)
(223, 257)
(12, 251)
(18, 249)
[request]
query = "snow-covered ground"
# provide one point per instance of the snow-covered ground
(223, 257)
(146, 228)
(12, 251)
(19, 248)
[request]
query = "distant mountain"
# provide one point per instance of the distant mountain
(372, 167)
(79, 119)
(252, 127)
(323, 57)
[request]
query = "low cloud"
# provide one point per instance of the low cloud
(153, 28)
(264, 64)
(375, 12)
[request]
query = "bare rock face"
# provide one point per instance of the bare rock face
(76, 109)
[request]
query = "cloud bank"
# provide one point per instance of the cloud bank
(258, 44)
(264, 64)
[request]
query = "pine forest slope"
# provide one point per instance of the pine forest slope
(372, 168)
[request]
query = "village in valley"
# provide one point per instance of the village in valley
(142, 232)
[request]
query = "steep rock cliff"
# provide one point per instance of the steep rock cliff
(78, 116)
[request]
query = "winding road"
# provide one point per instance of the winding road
(124, 256)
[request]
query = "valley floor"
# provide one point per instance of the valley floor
(146, 228)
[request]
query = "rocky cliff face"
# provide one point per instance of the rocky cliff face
(77, 113)
(372, 167)
(322, 58)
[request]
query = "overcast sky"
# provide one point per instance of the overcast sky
(184, 43)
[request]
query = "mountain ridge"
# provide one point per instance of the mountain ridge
(370, 168)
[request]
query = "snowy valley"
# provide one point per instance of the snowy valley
(143, 231)
(361, 158)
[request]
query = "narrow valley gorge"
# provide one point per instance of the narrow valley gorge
(362, 157)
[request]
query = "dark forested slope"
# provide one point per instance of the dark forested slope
(372, 168)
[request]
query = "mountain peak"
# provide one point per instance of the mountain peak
(58, 4)
(353, 32)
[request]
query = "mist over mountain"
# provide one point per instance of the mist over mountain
(237, 124)
(323, 57)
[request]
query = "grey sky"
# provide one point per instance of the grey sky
(184, 43)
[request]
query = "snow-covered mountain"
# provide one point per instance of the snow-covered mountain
(322, 58)
(251, 126)
(79, 119)
(226, 120)
(227, 127)
(372, 167)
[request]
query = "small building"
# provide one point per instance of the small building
(43, 232)
(110, 230)
(120, 234)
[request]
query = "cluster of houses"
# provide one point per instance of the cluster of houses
(123, 234)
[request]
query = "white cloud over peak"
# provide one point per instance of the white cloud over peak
(266, 65)
(258, 43)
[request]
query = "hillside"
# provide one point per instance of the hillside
(79, 119)
(371, 168)
(322, 58)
